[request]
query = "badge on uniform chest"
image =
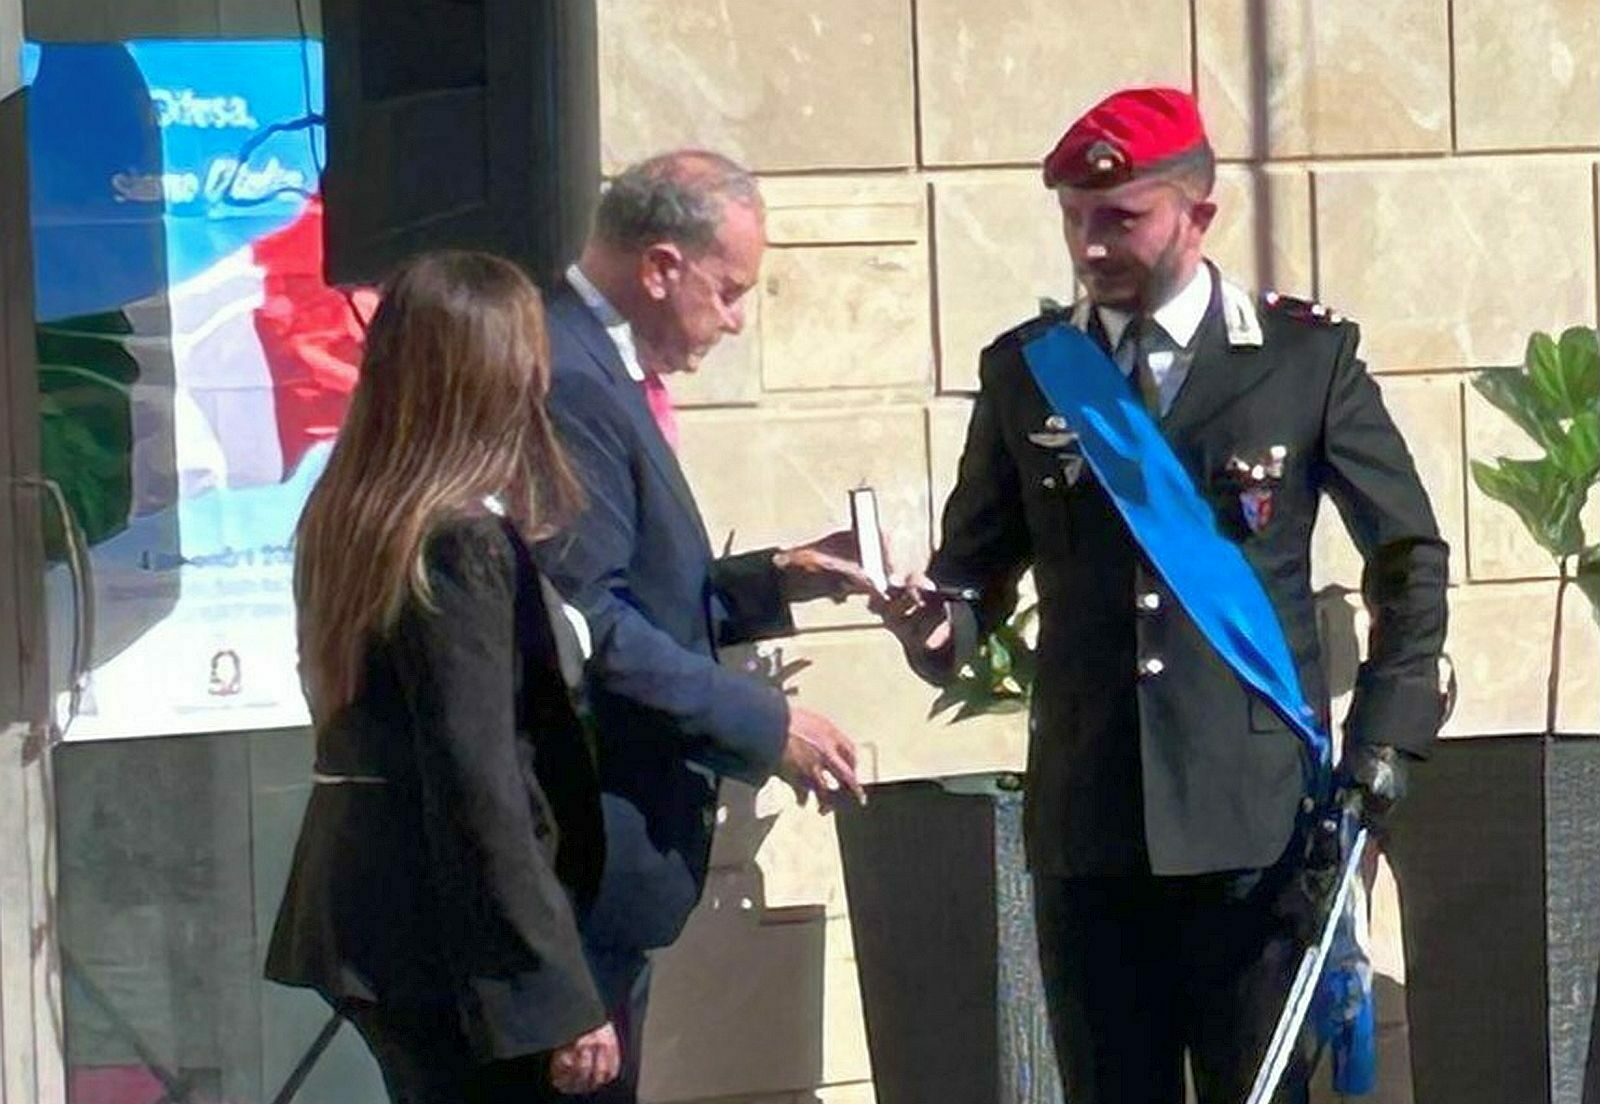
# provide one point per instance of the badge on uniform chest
(1256, 478)
(1056, 437)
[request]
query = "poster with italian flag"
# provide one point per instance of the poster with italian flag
(194, 367)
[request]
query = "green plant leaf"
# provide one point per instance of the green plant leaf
(1580, 369)
(1579, 453)
(999, 657)
(1546, 501)
(1563, 373)
(1543, 362)
(999, 678)
(1511, 391)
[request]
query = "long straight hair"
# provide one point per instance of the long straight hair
(449, 410)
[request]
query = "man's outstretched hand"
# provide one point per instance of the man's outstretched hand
(828, 567)
(819, 759)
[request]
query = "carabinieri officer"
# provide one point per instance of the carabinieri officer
(1163, 795)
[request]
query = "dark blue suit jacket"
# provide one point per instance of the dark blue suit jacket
(639, 565)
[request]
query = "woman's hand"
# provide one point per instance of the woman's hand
(588, 1062)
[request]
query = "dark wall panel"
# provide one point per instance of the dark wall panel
(919, 872)
(487, 137)
(1468, 853)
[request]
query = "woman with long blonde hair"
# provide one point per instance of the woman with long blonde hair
(454, 824)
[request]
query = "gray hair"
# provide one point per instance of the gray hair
(676, 197)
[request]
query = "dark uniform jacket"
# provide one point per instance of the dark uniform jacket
(456, 815)
(639, 565)
(1145, 750)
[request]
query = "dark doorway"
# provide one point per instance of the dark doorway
(464, 123)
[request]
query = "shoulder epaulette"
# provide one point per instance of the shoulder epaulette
(1050, 312)
(1301, 310)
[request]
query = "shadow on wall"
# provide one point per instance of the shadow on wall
(736, 1006)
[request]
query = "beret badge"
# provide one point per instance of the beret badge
(1104, 157)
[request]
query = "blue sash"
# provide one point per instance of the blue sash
(1177, 529)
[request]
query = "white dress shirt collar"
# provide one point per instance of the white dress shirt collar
(616, 326)
(1179, 317)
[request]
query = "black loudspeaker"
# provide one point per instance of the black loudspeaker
(459, 123)
(941, 915)
(1497, 855)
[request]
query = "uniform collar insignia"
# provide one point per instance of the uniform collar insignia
(1239, 313)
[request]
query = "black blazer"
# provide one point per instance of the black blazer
(1180, 769)
(448, 878)
(639, 565)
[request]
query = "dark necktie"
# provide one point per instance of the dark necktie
(1134, 356)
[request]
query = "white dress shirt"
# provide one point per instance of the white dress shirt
(1179, 318)
(617, 327)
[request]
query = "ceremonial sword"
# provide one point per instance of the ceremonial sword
(1287, 1032)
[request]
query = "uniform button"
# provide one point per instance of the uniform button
(1055, 423)
(1150, 601)
(1049, 482)
(1151, 667)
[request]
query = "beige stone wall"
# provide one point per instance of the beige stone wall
(1428, 167)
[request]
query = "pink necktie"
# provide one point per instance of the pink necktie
(660, 400)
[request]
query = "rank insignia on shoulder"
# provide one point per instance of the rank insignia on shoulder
(1303, 310)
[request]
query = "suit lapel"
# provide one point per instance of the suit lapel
(630, 393)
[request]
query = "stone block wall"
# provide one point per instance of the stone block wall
(1429, 167)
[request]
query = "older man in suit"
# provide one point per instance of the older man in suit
(676, 246)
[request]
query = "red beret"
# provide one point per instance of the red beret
(1127, 135)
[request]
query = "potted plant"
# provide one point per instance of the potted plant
(1555, 398)
(1503, 834)
(1491, 848)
